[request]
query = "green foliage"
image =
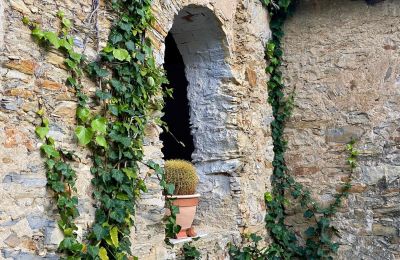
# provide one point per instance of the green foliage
(61, 179)
(190, 252)
(182, 174)
(285, 245)
(129, 88)
(124, 70)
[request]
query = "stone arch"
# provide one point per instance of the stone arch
(202, 44)
(204, 48)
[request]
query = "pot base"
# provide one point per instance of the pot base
(184, 233)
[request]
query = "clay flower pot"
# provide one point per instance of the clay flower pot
(187, 209)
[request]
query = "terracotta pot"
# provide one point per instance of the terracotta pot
(187, 209)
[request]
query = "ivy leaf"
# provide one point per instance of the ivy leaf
(93, 251)
(75, 56)
(268, 196)
(84, 134)
(115, 38)
(52, 38)
(99, 125)
(71, 64)
(117, 175)
(113, 109)
(101, 72)
(58, 186)
(99, 232)
(122, 196)
(83, 113)
(170, 188)
(118, 215)
(310, 232)
(150, 81)
(255, 238)
(130, 45)
(42, 131)
(101, 140)
(308, 214)
(60, 14)
(103, 254)
(121, 54)
(324, 222)
(130, 173)
(114, 236)
(103, 95)
(50, 151)
(66, 22)
(37, 33)
(108, 48)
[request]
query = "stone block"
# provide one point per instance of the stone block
(48, 84)
(25, 66)
(12, 240)
(343, 134)
(381, 230)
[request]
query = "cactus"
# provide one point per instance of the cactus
(183, 175)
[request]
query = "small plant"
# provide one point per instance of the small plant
(190, 252)
(182, 174)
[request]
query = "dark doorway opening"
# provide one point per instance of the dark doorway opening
(178, 143)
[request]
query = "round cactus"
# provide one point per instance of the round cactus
(183, 175)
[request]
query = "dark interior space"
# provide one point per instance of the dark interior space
(178, 143)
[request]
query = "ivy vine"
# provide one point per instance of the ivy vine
(129, 89)
(190, 252)
(61, 179)
(285, 190)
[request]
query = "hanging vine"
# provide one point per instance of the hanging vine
(285, 190)
(129, 88)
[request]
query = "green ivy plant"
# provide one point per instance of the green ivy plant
(129, 89)
(285, 189)
(190, 252)
(61, 180)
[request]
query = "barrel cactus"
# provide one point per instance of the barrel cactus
(183, 175)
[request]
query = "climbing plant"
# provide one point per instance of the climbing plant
(61, 179)
(190, 252)
(286, 190)
(129, 88)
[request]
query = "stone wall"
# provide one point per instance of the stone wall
(234, 167)
(343, 59)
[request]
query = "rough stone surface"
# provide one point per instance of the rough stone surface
(343, 58)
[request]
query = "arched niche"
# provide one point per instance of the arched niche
(204, 50)
(202, 44)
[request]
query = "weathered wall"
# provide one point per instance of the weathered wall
(343, 58)
(233, 177)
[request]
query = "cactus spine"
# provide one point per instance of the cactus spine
(183, 175)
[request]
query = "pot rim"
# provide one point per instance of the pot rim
(183, 196)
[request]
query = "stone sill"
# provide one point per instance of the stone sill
(200, 234)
